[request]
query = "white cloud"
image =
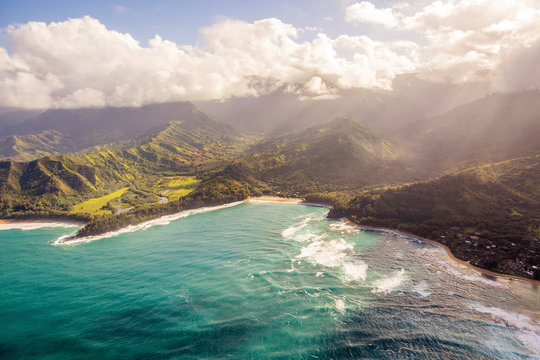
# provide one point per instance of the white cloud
(79, 62)
(464, 39)
(366, 12)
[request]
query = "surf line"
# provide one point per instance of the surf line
(163, 220)
(450, 258)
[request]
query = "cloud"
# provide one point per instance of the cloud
(121, 9)
(79, 62)
(366, 12)
(519, 70)
(463, 40)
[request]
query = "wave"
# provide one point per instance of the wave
(355, 270)
(344, 228)
(26, 226)
(473, 278)
(421, 289)
(164, 220)
(529, 329)
(292, 230)
(386, 285)
(327, 253)
(322, 250)
(339, 304)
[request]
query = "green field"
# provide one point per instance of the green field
(95, 205)
(177, 186)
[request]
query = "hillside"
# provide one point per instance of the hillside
(342, 153)
(192, 146)
(494, 128)
(489, 214)
(65, 131)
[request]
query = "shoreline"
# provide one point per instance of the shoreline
(274, 199)
(31, 224)
(483, 272)
(278, 199)
(35, 223)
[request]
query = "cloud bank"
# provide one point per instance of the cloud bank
(80, 63)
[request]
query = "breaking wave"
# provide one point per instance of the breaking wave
(387, 285)
(164, 220)
(529, 329)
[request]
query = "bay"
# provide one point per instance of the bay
(257, 280)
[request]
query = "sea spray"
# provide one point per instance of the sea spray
(388, 284)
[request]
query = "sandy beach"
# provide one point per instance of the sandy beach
(31, 224)
(275, 199)
(455, 262)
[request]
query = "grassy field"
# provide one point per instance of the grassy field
(177, 186)
(95, 205)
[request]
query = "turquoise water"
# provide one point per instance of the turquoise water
(257, 280)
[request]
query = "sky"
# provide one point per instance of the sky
(68, 54)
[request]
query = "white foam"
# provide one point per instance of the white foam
(529, 333)
(319, 273)
(344, 228)
(355, 270)
(25, 226)
(165, 220)
(294, 229)
(474, 278)
(421, 289)
(388, 284)
(327, 253)
(340, 305)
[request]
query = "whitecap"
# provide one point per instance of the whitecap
(355, 270)
(421, 289)
(343, 228)
(340, 305)
(327, 253)
(386, 285)
(164, 220)
(529, 329)
(473, 278)
(293, 229)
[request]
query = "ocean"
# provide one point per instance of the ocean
(256, 280)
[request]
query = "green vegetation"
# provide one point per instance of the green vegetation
(175, 187)
(472, 212)
(98, 205)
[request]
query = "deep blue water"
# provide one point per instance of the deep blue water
(257, 280)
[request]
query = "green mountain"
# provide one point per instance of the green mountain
(489, 214)
(60, 132)
(194, 145)
(342, 152)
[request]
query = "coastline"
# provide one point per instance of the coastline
(30, 224)
(35, 223)
(274, 199)
(162, 220)
(461, 263)
(285, 200)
